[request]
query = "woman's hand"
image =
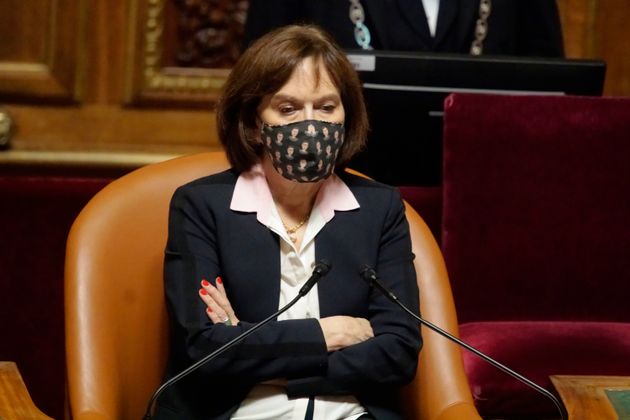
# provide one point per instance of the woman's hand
(219, 309)
(344, 331)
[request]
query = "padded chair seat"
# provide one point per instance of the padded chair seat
(538, 349)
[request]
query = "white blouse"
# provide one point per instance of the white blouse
(431, 9)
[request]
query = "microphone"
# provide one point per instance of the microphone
(321, 269)
(369, 275)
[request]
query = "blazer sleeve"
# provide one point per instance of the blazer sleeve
(280, 349)
(391, 356)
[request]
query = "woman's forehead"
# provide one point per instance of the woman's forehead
(309, 76)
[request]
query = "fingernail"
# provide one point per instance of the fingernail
(203, 291)
(219, 280)
(208, 309)
(205, 283)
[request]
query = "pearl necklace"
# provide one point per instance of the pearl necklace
(291, 230)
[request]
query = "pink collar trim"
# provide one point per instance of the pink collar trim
(252, 194)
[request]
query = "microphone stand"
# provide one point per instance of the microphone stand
(370, 276)
(321, 269)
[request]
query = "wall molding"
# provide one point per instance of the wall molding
(152, 82)
(55, 76)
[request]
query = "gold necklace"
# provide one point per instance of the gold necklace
(291, 230)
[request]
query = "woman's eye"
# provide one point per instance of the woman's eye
(286, 109)
(328, 108)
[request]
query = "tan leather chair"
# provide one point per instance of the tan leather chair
(116, 320)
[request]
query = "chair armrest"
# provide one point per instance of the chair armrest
(15, 401)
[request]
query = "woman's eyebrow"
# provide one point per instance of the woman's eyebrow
(280, 97)
(329, 97)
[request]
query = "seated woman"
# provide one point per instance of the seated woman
(243, 242)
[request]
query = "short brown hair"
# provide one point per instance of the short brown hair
(263, 69)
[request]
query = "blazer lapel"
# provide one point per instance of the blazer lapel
(250, 244)
(269, 298)
(412, 13)
(326, 290)
(336, 242)
(376, 9)
(456, 25)
(446, 16)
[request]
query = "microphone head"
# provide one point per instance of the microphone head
(367, 273)
(322, 267)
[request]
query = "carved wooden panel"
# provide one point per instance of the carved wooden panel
(182, 50)
(39, 49)
(209, 32)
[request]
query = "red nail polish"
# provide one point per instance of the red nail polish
(209, 309)
(219, 281)
(203, 291)
(205, 283)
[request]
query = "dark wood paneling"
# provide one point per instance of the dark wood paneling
(599, 29)
(131, 91)
(102, 127)
(577, 26)
(21, 30)
(611, 40)
(40, 57)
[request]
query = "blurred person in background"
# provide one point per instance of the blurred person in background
(492, 27)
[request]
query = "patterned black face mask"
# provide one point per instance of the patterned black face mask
(304, 151)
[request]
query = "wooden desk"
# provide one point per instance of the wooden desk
(586, 397)
(15, 402)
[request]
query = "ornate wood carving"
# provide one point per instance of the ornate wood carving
(41, 62)
(209, 32)
(187, 65)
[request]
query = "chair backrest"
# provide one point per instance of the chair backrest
(535, 234)
(116, 320)
(536, 204)
(440, 390)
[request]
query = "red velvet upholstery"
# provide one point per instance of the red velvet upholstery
(427, 201)
(535, 228)
(35, 216)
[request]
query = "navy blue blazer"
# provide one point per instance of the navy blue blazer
(515, 27)
(206, 239)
